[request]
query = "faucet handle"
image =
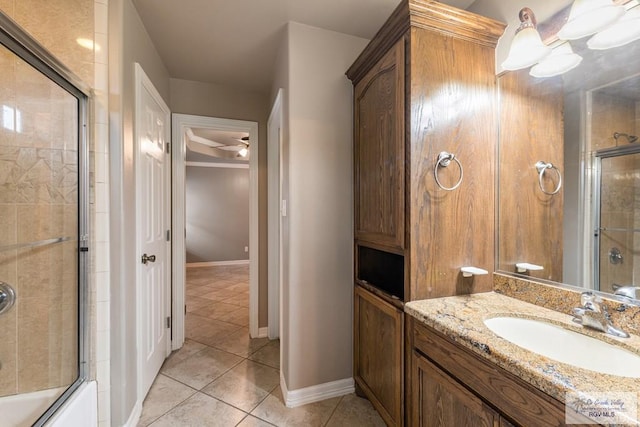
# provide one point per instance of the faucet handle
(590, 301)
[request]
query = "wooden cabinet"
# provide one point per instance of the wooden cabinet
(440, 401)
(379, 153)
(481, 391)
(378, 355)
(425, 84)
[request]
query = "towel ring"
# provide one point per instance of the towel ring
(444, 160)
(542, 168)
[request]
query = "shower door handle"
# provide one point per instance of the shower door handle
(148, 258)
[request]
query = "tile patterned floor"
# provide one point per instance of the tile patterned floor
(221, 377)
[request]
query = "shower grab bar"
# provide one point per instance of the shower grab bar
(542, 167)
(444, 160)
(35, 244)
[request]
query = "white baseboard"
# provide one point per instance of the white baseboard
(135, 415)
(217, 263)
(262, 332)
(316, 393)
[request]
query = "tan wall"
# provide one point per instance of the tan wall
(205, 99)
(39, 335)
(319, 286)
(128, 43)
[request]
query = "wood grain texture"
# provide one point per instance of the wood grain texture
(430, 15)
(453, 108)
(513, 398)
(440, 401)
(531, 129)
(379, 152)
(379, 354)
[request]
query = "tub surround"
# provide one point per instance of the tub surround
(460, 319)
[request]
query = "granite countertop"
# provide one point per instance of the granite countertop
(460, 318)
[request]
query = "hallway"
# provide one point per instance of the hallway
(221, 377)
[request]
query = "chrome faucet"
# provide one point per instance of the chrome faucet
(629, 292)
(593, 314)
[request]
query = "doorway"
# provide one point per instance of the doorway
(182, 128)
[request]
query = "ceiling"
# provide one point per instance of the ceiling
(235, 42)
(210, 145)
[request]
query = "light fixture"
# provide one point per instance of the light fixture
(561, 60)
(526, 47)
(624, 31)
(588, 17)
(243, 152)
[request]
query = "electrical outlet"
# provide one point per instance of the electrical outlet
(246, 248)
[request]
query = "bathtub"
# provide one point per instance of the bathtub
(23, 410)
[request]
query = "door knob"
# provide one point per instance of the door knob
(148, 258)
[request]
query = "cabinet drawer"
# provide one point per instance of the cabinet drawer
(504, 391)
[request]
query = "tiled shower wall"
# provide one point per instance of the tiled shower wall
(38, 193)
(58, 25)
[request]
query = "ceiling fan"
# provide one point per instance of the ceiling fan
(242, 148)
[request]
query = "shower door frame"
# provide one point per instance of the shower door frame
(18, 41)
(597, 186)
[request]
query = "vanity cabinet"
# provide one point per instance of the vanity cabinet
(449, 385)
(378, 355)
(425, 84)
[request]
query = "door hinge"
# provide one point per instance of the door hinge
(168, 322)
(168, 147)
(168, 235)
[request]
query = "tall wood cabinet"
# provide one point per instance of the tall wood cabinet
(425, 84)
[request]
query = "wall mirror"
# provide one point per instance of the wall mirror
(569, 171)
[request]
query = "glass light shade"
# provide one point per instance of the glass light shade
(243, 152)
(526, 49)
(626, 30)
(561, 60)
(588, 17)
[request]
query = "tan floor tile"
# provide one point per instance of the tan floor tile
(251, 421)
(241, 300)
(353, 411)
(241, 344)
(239, 317)
(164, 395)
(238, 287)
(215, 310)
(208, 331)
(244, 386)
(203, 367)
(273, 410)
(201, 410)
(189, 348)
(269, 354)
(219, 295)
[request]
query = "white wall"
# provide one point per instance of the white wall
(318, 294)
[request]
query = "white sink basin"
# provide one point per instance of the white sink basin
(566, 346)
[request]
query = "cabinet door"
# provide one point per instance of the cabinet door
(378, 354)
(439, 400)
(380, 152)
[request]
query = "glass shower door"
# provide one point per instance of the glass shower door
(618, 232)
(41, 122)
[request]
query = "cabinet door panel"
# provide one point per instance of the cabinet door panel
(440, 401)
(378, 351)
(379, 152)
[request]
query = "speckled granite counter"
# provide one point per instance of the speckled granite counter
(460, 318)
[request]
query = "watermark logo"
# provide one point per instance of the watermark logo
(619, 408)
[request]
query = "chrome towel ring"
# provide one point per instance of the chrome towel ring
(444, 160)
(542, 167)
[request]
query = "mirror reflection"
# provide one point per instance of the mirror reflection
(577, 133)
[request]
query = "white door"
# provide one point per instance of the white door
(152, 133)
